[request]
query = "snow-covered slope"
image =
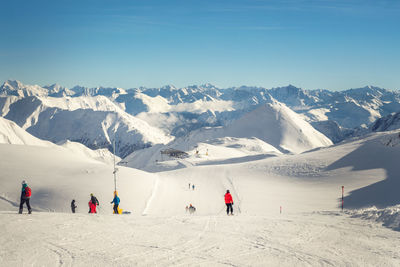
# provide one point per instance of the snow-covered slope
(273, 123)
(306, 187)
(387, 123)
(92, 121)
(103, 155)
(312, 239)
(11, 133)
(270, 129)
(226, 149)
(279, 126)
(367, 167)
(98, 129)
(57, 175)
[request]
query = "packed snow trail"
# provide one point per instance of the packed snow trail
(306, 239)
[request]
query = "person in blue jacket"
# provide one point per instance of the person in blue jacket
(116, 201)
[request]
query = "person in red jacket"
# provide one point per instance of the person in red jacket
(93, 203)
(228, 202)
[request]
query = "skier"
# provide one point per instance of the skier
(93, 203)
(116, 201)
(189, 186)
(192, 209)
(73, 207)
(193, 187)
(25, 197)
(187, 209)
(228, 202)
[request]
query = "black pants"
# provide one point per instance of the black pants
(229, 207)
(116, 209)
(73, 209)
(21, 205)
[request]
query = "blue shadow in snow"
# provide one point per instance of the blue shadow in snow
(373, 154)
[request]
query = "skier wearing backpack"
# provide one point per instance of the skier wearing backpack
(25, 197)
(116, 201)
(93, 203)
(228, 202)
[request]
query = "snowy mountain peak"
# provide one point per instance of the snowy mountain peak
(56, 90)
(12, 85)
(169, 87)
(208, 86)
(279, 126)
(54, 87)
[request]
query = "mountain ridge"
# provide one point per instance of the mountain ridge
(179, 111)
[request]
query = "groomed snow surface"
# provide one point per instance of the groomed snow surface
(310, 231)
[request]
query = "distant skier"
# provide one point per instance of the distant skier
(228, 202)
(193, 187)
(25, 197)
(187, 209)
(93, 203)
(73, 206)
(192, 209)
(189, 186)
(116, 201)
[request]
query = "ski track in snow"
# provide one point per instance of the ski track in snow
(307, 239)
(152, 196)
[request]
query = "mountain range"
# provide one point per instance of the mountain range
(142, 117)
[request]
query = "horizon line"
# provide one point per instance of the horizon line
(192, 85)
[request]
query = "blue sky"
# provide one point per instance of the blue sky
(311, 44)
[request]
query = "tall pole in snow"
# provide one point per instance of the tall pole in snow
(115, 170)
(342, 197)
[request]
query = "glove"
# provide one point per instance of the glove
(232, 203)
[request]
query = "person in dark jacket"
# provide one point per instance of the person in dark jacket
(192, 209)
(73, 206)
(25, 197)
(93, 203)
(116, 201)
(228, 202)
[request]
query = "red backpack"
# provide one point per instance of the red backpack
(28, 192)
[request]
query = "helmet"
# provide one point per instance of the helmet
(23, 182)
(91, 194)
(227, 191)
